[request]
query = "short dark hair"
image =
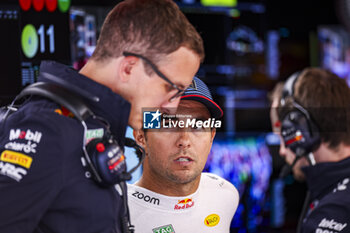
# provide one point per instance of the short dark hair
(327, 99)
(153, 28)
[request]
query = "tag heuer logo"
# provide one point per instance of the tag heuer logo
(164, 229)
(93, 133)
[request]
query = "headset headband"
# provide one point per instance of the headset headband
(69, 100)
(288, 88)
(288, 92)
(60, 95)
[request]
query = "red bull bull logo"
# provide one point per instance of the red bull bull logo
(295, 139)
(184, 204)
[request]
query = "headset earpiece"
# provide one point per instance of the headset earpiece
(298, 131)
(108, 160)
(299, 134)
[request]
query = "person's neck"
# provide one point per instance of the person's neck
(105, 74)
(325, 154)
(168, 188)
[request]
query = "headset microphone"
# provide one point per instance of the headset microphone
(286, 169)
(140, 152)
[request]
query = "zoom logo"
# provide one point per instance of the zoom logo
(146, 198)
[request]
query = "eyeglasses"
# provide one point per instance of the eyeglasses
(160, 74)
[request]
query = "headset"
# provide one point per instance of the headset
(103, 158)
(299, 132)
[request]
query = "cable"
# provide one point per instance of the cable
(303, 212)
(311, 159)
(288, 168)
(126, 222)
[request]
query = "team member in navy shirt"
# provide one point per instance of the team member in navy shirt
(313, 119)
(146, 55)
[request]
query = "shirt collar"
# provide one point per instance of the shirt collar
(322, 177)
(110, 106)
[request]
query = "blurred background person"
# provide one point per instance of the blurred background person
(311, 114)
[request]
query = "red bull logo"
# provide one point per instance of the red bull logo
(295, 139)
(184, 204)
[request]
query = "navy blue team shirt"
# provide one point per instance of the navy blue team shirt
(329, 185)
(43, 187)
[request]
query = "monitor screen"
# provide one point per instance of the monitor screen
(334, 46)
(33, 34)
(245, 161)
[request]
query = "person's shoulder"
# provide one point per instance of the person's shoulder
(130, 188)
(215, 182)
(332, 211)
(35, 145)
(212, 185)
(137, 193)
(42, 124)
(42, 110)
(340, 194)
(213, 179)
(336, 203)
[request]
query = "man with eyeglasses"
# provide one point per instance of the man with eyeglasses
(173, 195)
(146, 56)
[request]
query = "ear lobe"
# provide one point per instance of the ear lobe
(139, 136)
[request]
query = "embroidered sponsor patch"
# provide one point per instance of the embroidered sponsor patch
(164, 229)
(12, 171)
(28, 147)
(64, 112)
(93, 133)
(184, 204)
(330, 225)
(16, 158)
(212, 220)
(342, 185)
(28, 135)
